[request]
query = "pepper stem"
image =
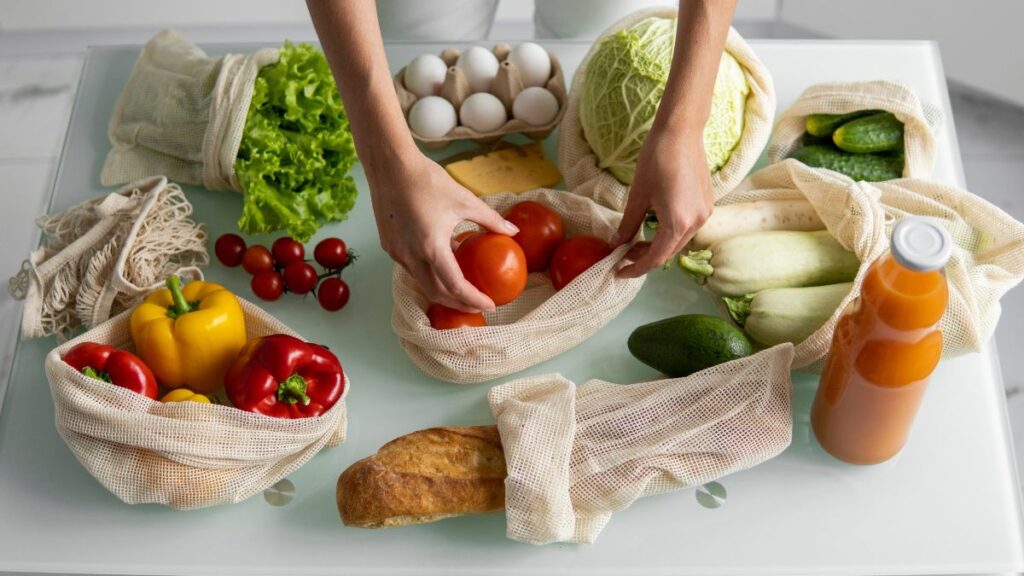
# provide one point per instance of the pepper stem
(180, 306)
(293, 390)
(97, 374)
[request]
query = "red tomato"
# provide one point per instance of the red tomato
(463, 235)
(443, 317)
(495, 264)
(574, 256)
(540, 232)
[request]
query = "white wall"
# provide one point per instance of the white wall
(980, 40)
(69, 14)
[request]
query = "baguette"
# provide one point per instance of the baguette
(424, 477)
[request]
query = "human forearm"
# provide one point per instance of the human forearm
(351, 40)
(702, 28)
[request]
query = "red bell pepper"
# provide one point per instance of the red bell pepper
(119, 367)
(283, 376)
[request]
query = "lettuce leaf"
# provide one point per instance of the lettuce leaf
(296, 151)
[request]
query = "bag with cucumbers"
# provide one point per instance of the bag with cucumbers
(787, 250)
(539, 324)
(735, 135)
(870, 131)
(577, 454)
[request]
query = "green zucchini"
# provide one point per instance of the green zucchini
(867, 167)
(772, 259)
(779, 315)
(878, 133)
(823, 125)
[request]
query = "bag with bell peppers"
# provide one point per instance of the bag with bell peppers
(286, 399)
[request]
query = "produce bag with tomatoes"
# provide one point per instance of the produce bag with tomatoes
(615, 94)
(243, 401)
(807, 208)
(577, 454)
(872, 131)
(554, 285)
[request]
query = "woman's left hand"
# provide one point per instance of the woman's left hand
(673, 181)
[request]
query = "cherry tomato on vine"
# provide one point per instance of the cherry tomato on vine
(495, 264)
(540, 232)
(443, 318)
(267, 285)
(300, 277)
(287, 250)
(331, 253)
(229, 249)
(574, 256)
(257, 259)
(332, 294)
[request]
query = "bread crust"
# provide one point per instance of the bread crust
(424, 477)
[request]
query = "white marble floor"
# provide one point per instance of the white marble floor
(39, 73)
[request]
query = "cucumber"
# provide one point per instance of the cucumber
(821, 125)
(682, 345)
(779, 315)
(772, 259)
(867, 167)
(878, 133)
(809, 140)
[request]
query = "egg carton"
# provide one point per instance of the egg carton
(507, 85)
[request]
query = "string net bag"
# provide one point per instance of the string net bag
(100, 257)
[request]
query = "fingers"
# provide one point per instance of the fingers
(646, 256)
(478, 211)
(468, 296)
(632, 218)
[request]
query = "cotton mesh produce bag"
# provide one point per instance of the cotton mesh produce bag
(920, 120)
(100, 257)
(540, 324)
(181, 114)
(575, 455)
(582, 169)
(987, 261)
(181, 454)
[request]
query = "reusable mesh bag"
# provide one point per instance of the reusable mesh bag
(575, 455)
(181, 113)
(540, 324)
(987, 261)
(920, 121)
(181, 454)
(100, 257)
(580, 166)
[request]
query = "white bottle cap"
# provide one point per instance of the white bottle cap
(921, 244)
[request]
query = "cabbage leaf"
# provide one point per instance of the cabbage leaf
(296, 151)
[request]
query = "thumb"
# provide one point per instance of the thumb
(632, 218)
(485, 216)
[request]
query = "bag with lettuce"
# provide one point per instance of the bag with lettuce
(616, 92)
(270, 125)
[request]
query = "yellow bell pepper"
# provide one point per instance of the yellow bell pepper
(184, 395)
(189, 336)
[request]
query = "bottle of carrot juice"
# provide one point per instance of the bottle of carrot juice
(885, 347)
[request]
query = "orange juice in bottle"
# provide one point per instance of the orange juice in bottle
(885, 347)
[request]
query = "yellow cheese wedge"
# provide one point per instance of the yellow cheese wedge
(514, 169)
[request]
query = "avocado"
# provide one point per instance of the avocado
(682, 345)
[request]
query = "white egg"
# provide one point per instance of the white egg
(533, 62)
(483, 112)
(535, 106)
(432, 117)
(480, 66)
(424, 76)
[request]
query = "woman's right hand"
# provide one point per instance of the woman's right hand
(417, 206)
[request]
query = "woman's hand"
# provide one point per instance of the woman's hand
(672, 179)
(417, 206)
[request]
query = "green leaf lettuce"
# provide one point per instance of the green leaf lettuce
(296, 151)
